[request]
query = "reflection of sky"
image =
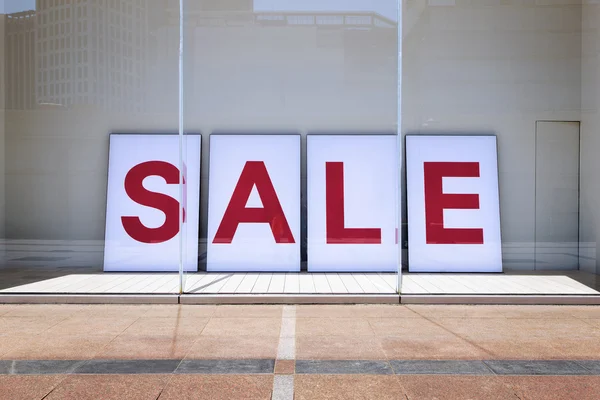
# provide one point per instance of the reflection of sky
(387, 8)
(13, 6)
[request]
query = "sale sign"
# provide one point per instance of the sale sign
(351, 198)
(254, 203)
(453, 204)
(144, 200)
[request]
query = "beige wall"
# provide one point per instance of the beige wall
(293, 78)
(590, 141)
(90, 84)
(487, 68)
(495, 68)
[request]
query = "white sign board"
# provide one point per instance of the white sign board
(143, 200)
(453, 204)
(254, 203)
(351, 198)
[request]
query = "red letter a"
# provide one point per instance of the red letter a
(337, 233)
(254, 174)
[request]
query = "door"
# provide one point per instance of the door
(557, 195)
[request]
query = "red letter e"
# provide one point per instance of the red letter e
(436, 201)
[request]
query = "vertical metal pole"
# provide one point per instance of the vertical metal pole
(181, 146)
(399, 148)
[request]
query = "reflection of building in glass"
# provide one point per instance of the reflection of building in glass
(20, 50)
(92, 52)
(291, 65)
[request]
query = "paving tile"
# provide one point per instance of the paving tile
(577, 348)
(41, 367)
(339, 348)
(284, 367)
(537, 312)
(480, 328)
(180, 311)
(536, 367)
(519, 348)
(114, 310)
(6, 308)
(11, 342)
(518, 328)
(248, 311)
(184, 326)
(58, 311)
(234, 347)
(147, 347)
(443, 367)
(343, 367)
(63, 347)
(594, 322)
(409, 328)
(333, 326)
(443, 348)
(355, 311)
(215, 387)
(455, 387)
(6, 366)
(343, 387)
(26, 325)
(585, 312)
(591, 365)
(92, 326)
(552, 329)
(108, 387)
(554, 387)
(283, 387)
(239, 367)
(128, 367)
(456, 311)
(242, 326)
(26, 387)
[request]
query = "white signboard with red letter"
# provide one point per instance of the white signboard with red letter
(351, 198)
(453, 204)
(254, 203)
(142, 214)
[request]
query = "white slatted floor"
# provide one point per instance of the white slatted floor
(306, 283)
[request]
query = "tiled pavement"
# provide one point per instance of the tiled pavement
(302, 352)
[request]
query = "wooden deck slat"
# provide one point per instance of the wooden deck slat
(336, 284)
(321, 283)
(232, 284)
(247, 283)
(262, 283)
(366, 285)
(292, 283)
(307, 285)
(350, 283)
(277, 284)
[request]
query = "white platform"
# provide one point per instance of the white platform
(316, 284)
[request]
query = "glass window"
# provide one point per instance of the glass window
(521, 72)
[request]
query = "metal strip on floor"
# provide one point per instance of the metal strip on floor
(304, 367)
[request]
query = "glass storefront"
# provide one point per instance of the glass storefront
(145, 143)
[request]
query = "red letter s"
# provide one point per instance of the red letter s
(168, 205)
